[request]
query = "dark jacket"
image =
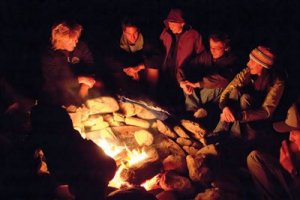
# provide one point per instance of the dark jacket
(212, 73)
(60, 71)
(71, 159)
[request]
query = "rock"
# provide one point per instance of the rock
(173, 182)
(195, 128)
(209, 194)
(175, 163)
(162, 128)
(137, 122)
(180, 132)
(199, 170)
(184, 141)
(145, 114)
(127, 109)
(143, 137)
(104, 104)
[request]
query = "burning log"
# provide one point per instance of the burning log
(209, 194)
(138, 175)
(175, 163)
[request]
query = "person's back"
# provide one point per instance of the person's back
(71, 159)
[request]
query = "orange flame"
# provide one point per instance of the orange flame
(152, 183)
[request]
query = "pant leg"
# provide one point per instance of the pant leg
(192, 102)
(210, 95)
(268, 176)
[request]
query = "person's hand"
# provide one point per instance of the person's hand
(227, 115)
(89, 81)
(83, 91)
(186, 88)
(132, 72)
(285, 158)
(193, 85)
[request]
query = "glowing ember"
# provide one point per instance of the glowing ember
(152, 183)
(118, 181)
(109, 148)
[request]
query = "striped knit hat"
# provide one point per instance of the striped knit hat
(262, 56)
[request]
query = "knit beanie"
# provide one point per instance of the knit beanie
(262, 56)
(175, 15)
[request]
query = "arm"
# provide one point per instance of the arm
(239, 80)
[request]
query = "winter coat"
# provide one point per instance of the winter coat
(189, 45)
(269, 83)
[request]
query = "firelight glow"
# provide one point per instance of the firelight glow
(110, 149)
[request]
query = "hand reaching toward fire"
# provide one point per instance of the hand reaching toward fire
(134, 71)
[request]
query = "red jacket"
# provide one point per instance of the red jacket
(189, 45)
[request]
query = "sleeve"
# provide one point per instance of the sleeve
(269, 105)
(239, 80)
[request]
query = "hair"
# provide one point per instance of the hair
(221, 37)
(62, 30)
(129, 22)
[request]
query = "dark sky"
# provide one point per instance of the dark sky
(25, 27)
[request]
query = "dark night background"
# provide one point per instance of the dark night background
(25, 29)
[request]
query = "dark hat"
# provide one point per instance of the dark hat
(175, 15)
(292, 121)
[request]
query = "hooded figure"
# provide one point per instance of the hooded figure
(181, 43)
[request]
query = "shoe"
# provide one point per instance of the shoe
(200, 113)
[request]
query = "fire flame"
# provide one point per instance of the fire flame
(110, 149)
(152, 183)
(131, 158)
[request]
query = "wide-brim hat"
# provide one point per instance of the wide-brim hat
(292, 121)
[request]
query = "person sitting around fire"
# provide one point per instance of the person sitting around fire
(136, 60)
(250, 99)
(278, 178)
(181, 43)
(216, 68)
(67, 66)
(71, 160)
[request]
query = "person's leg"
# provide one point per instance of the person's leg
(210, 95)
(268, 176)
(192, 102)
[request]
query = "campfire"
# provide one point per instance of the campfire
(149, 151)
